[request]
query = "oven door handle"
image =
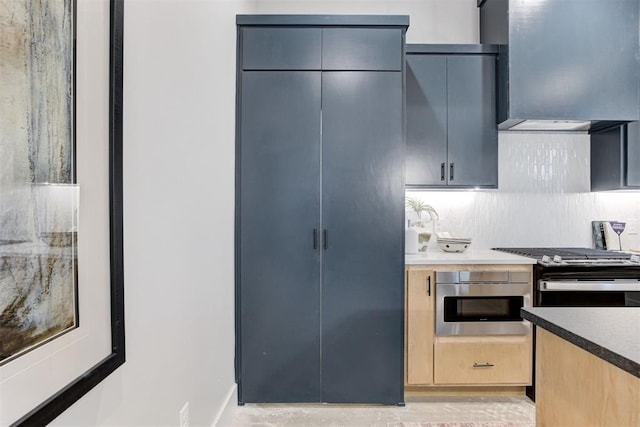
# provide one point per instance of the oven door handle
(611, 286)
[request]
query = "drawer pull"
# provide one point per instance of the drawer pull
(483, 365)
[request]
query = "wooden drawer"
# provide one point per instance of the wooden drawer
(483, 360)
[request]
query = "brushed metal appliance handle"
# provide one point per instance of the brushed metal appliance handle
(325, 239)
(586, 285)
(483, 365)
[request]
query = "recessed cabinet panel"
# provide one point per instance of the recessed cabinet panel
(472, 134)
(362, 49)
(265, 48)
(426, 99)
(363, 215)
(279, 208)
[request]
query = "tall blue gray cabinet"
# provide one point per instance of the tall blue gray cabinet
(320, 209)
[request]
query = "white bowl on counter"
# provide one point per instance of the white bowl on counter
(448, 246)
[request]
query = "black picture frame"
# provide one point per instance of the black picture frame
(51, 408)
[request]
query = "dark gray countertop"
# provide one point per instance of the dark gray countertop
(611, 333)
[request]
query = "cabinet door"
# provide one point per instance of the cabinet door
(426, 100)
(632, 163)
(420, 326)
(362, 49)
(472, 131)
(363, 213)
(279, 268)
(608, 159)
(268, 48)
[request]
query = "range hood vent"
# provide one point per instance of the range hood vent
(569, 65)
(553, 125)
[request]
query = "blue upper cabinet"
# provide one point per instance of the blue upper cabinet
(451, 135)
(615, 158)
(361, 49)
(632, 152)
(268, 48)
(322, 42)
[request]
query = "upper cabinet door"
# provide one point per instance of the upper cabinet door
(426, 100)
(268, 48)
(633, 155)
(472, 133)
(615, 158)
(362, 49)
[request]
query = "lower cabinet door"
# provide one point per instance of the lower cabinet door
(420, 326)
(499, 361)
(278, 305)
(363, 251)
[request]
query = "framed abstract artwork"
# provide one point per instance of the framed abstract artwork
(61, 243)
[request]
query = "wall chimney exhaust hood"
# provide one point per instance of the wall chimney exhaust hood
(571, 65)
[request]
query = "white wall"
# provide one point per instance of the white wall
(431, 21)
(178, 217)
(543, 197)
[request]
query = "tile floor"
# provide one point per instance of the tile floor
(470, 411)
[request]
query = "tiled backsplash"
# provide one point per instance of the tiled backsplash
(543, 197)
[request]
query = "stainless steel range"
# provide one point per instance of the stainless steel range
(583, 277)
(570, 277)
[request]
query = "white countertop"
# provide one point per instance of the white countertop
(470, 256)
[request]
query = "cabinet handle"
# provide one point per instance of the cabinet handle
(429, 285)
(442, 171)
(325, 239)
(450, 171)
(315, 238)
(483, 365)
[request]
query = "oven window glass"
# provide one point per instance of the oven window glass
(483, 309)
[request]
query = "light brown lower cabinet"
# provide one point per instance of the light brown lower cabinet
(483, 360)
(576, 388)
(433, 361)
(420, 326)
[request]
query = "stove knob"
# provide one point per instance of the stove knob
(546, 259)
(557, 259)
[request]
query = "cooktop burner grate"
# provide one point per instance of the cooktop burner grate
(566, 253)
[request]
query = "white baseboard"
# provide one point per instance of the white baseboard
(224, 418)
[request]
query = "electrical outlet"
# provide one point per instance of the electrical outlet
(184, 415)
